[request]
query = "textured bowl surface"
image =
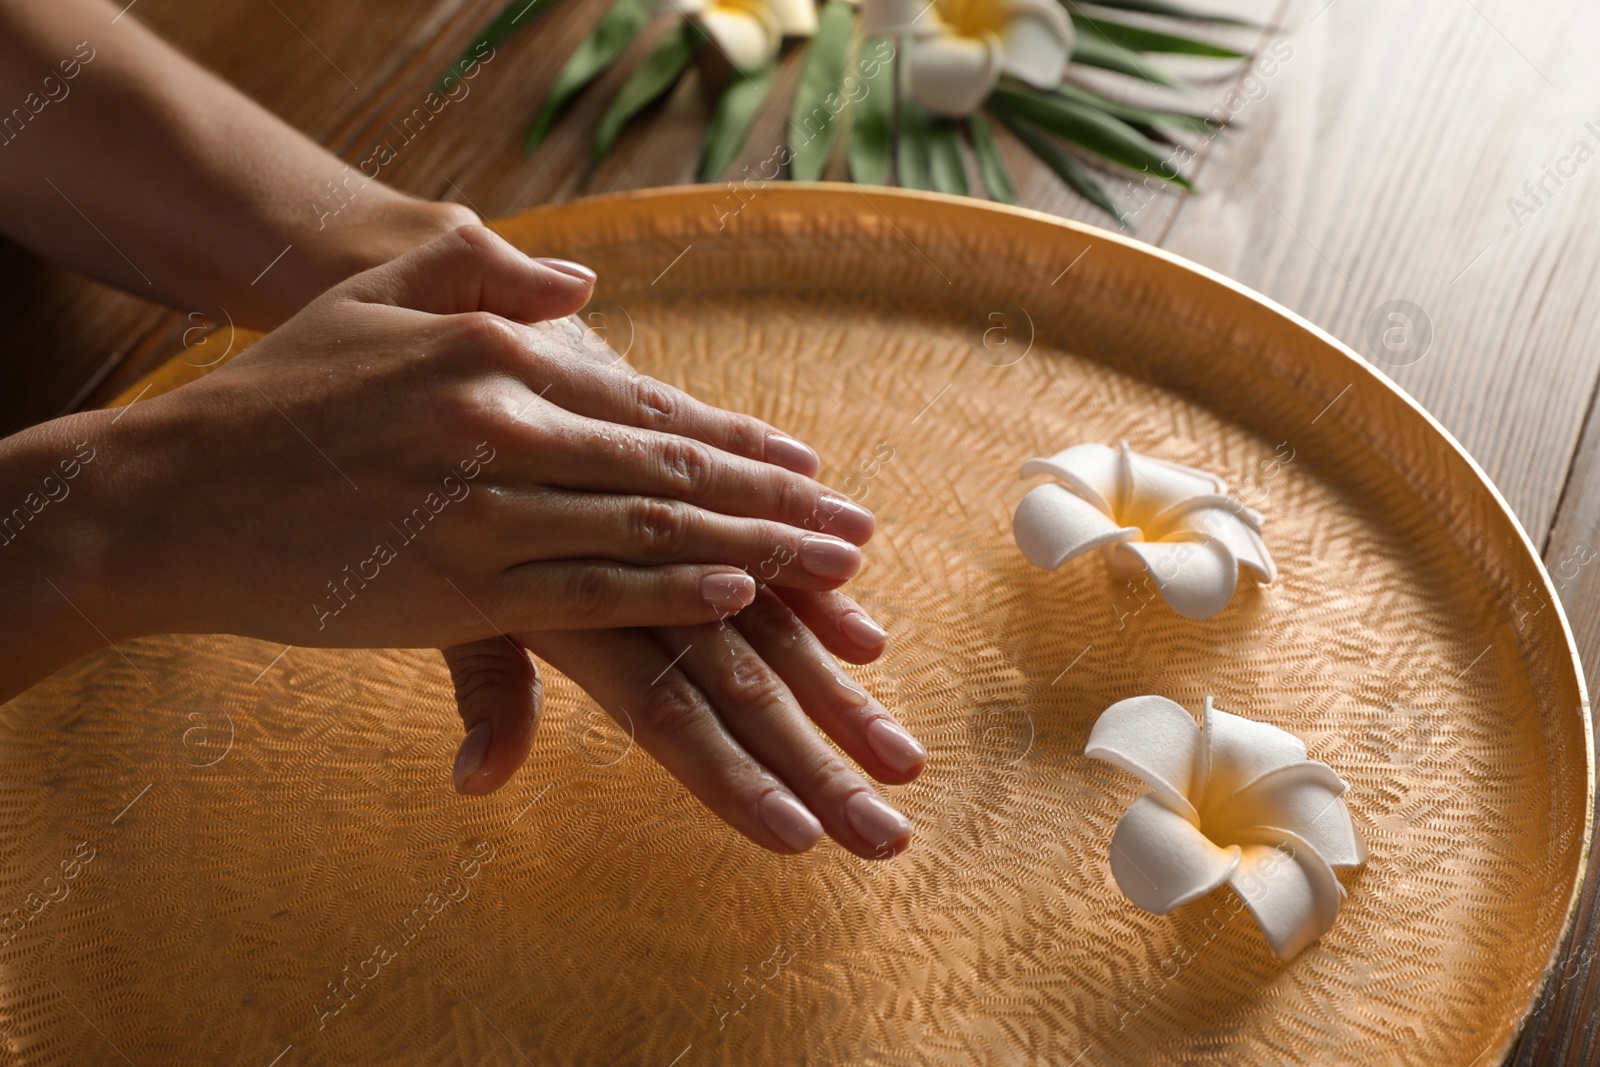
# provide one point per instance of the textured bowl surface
(265, 828)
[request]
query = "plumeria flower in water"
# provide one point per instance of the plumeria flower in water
(749, 32)
(1234, 801)
(1149, 516)
(955, 50)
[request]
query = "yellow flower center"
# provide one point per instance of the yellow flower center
(973, 18)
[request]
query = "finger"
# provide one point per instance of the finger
(499, 697)
(637, 683)
(595, 594)
(622, 395)
(767, 721)
(842, 625)
(644, 530)
(473, 269)
(845, 711)
(575, 452)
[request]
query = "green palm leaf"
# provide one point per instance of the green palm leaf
(1093, 50)
(613, 33)
(516, 15)
(868, 150)
(991, 164)
(947, 170)
(1175, 11)
(1185, 121)
(730, 122)
(1072, 172)
(658, 73)
(1100, 133)
(911, 148)
(1140, 39)
(813, 123)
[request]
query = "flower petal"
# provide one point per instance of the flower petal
(1215, 518)
(952, 76)
(1161, 860)
(1052, 526)
(1291, 892)
(1196, 577)
(1154, 738)
(1036, 42)
(1093, 471)
(796, 18)
(1305, 799)
(748, 42)
(1235, 751)
(1156, 485)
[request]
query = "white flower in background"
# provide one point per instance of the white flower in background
(749, 32)
(1235, 801)
(1173, 522)
(955, 50)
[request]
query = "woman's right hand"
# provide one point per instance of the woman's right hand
(418, 459)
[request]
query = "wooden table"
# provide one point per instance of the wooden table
(1376, 162)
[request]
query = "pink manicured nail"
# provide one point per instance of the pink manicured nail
(829, 557)
(845, 518)
(473, 750)
(862, 630)
(728, 593)
(894, 746)
(874, 820)
(566, 266)
(785, 451)
(789, 819)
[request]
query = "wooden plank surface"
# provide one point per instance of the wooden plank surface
(1379, 153)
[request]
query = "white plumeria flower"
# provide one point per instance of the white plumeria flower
(749, 32)
(1176, 523)
(956, 50)
(1235, 801)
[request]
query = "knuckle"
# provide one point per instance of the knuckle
(825, 773)
(686, 466)
(789, 500)
(768, 623)
(489, 338)
(659, 528)
(670, 707)
(657, 404)
(593, 593)
(746, 436)
(752, 685)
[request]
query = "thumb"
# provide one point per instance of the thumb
(499, 697)
(472, 268)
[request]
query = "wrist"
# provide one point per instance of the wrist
(54, 554)
(373, 226)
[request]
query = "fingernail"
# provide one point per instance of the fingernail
(789, 819)
(829, 557)
(874, 820)
(566, 266)
(785, 451)
(473, 750)
(846, 518)
(728, 593)
(861, 630)
(894, 746)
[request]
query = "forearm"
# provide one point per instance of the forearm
(124, 159)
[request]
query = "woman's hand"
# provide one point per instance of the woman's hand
(728, 708)
(408, 463)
